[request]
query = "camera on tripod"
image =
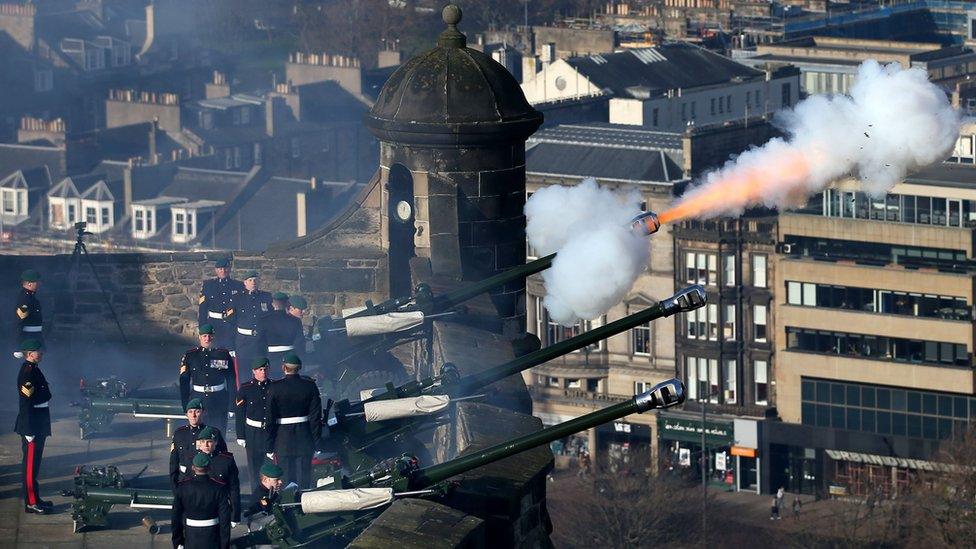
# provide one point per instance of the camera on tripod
(80, 229)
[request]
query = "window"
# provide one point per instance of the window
(257, 154)
(139, 220)
(702, 323)
(748, 99)
(693, 110)
(43, 80)
(728, 322)
(574, 384)
(106, 219)
(721, 106)
(150, 226)
(552, 381)
(183, 223)
(701, 268)
(550, 332)
(702, 377)
(654, 112)
(759, 323)
(729, 381)
(641, 386)
(787, 96)
(91, 214)
(72, 213)
(728, 104)
(10, 201)
(641, 336)
(237, 157)
(728, 269)
(296, 147)
(760, 370)
(712, 106)
(684, 111)
(874, 347)
(759, 271)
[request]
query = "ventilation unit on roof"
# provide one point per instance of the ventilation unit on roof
(648, 55)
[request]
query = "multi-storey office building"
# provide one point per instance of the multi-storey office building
(874, 332)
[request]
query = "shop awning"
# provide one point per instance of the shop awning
(891, 461)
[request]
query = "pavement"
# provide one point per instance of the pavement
(133, 444)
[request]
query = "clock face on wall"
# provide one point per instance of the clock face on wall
(404, 211)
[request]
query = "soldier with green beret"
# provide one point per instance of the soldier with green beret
(222, 467)
(266, 492)
(185, 440)
(208, 373)
(201, 516)
(252, 411)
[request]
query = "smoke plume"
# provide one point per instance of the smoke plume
(599, 256)
(893, 122)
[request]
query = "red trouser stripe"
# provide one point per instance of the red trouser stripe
(31, 496)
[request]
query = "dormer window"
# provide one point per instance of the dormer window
(184, 224)
(143, 221)
(14, 201)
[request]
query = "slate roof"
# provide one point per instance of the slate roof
(610, 163)
(606, 134)
(195, 184)
(669, 66)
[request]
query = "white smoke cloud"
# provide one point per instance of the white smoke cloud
(893, 122)
(599, 256)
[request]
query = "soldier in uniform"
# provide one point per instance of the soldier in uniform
(215, 304)
(185, 439)
(266, 492)
(294, 422)
(33, 423)
(248, 308)
(281, 332)
(29, 320)
(201, 510)
(222, 468)
(252, 411)
(207, 373)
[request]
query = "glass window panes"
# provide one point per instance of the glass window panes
(759, 271)
(761, 376)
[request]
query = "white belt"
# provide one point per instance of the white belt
(182, 468)
(209, 388)
(211, 314)
(32, 329)
(245, 331)
(202, 523)
(280, 348)
(291, 420)
(43, 404)
(254, 423)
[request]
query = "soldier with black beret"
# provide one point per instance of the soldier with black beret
(216, 307)
(201, 510)
(294, 422)
(207, 373)
(29, 318)
(222, 468)
(185, 439)
(252, 412)
(33, 423)
(281, 331)
(249, 307)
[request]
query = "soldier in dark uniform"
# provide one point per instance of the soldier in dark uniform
(201, 510)
(222, 468)
(33, 423)
(215, 304)
(29, 319)
(249, 306)
(266, 492)
(185, 439)
(294, 422)
(207, 373)
(252, 411)
(281, 332)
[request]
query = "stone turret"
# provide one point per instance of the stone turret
(452, 125)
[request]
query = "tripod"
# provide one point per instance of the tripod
(76, 255)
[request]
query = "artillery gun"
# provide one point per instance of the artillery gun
(344, 504)
(363, 431)
(101, 401)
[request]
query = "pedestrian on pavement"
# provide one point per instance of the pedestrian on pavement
(781, 498)
(796, 507)
(584, 465)
(33, 423)
(774, 510)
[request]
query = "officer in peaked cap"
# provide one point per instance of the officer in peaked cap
(222, 468)
(29, 318)
(33, 423)
(185, 439)
(207, 372)
(249, 307)
(201, 509)
(281, 332)
(294, 422)
(252, 412)
(216, 307)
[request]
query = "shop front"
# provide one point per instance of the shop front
(681, 452)
(624, 445)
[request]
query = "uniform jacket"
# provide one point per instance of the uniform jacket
(249, 307)
(184, 440)
(33, 417)
(294, 396)
(222, 468)
(202, 366)
(261, 500)
(28, 309)
(252, 403)
(280, 328)
(201, 498)
(215, 300)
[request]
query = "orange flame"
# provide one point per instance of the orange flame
(741, 186)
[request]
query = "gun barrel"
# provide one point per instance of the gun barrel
(687, 299)
(158, 499)
(150, 407)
